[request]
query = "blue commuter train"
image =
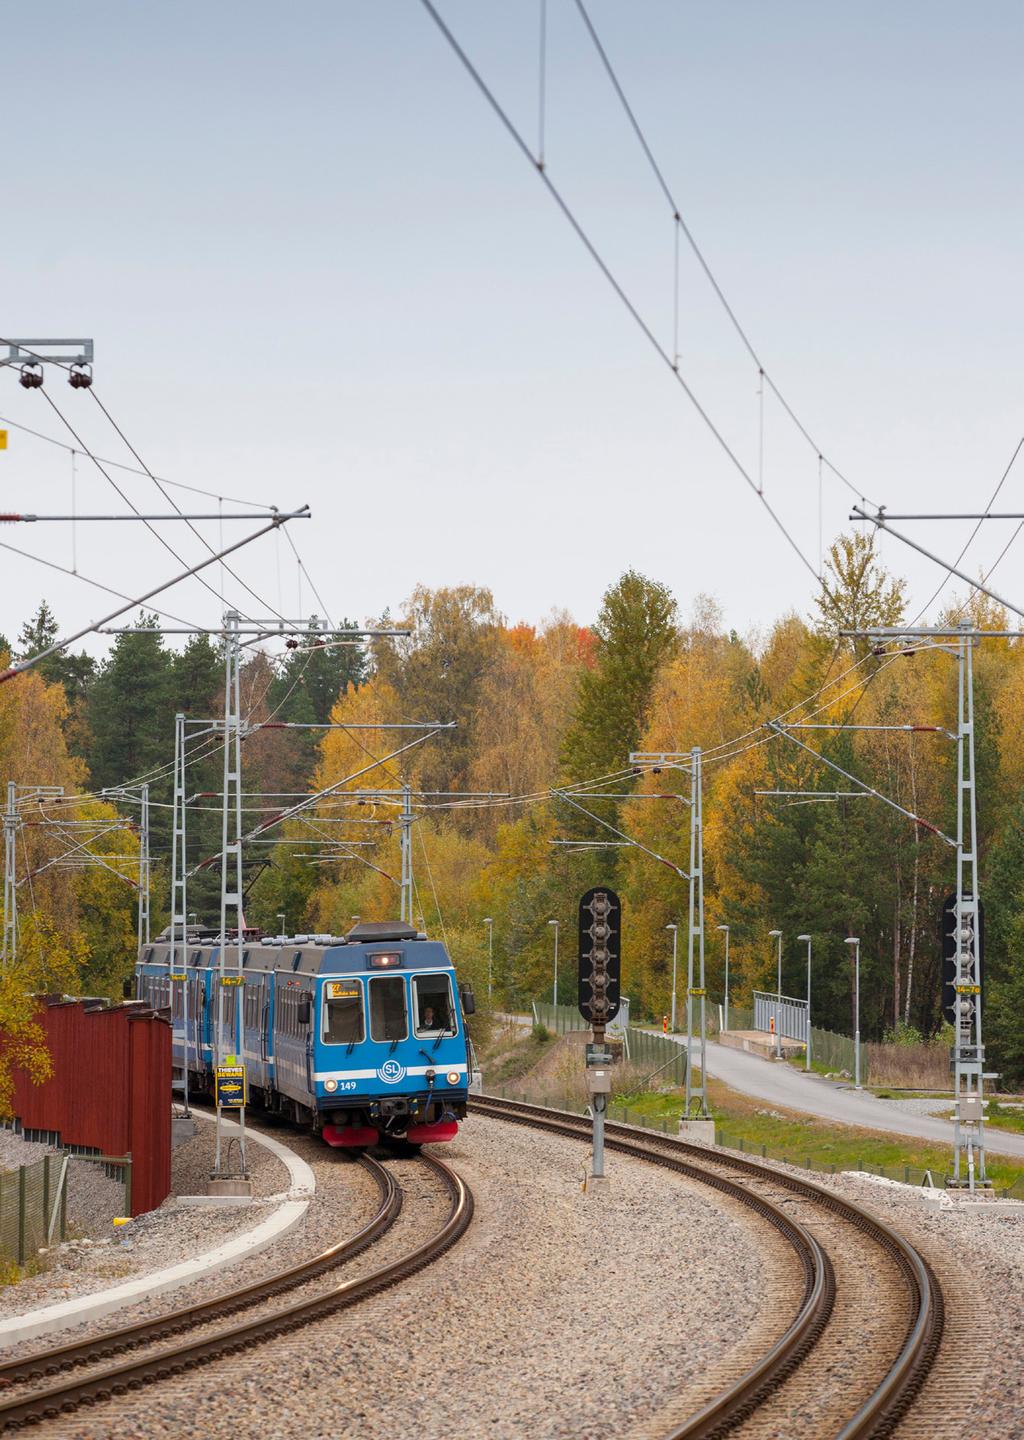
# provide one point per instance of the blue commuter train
(361, 1037)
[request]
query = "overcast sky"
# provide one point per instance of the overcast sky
(317, 270)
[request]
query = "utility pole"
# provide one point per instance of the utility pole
(490, 953)
(968, 1051)
(144, 866)
(725, 1021)
(675, 957)
(10, 940)
(179, 896)
(405, 831)
(555, 992)
(695, 936)
(231, 882)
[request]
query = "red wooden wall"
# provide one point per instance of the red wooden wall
(111, 1089)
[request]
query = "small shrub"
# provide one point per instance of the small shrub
(542, 1034)
(901, 1034)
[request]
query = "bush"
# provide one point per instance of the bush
(902, 1034)
(541, 1034)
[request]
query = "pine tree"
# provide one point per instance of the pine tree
(130, 708)
(636, 632)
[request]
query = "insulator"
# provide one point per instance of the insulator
(292, 644)
(80, 377)
(31, 376)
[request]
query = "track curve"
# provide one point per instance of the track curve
(70, 1391)
(880, 1412)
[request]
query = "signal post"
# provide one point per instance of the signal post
(600, 960)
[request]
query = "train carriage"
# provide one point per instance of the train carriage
(361, 1036)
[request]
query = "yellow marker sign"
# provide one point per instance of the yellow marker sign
(967, 989)
(232, 980)
(3, 439)
(175, 976)
(229, 1087)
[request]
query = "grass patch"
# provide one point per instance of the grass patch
(797, 1062)
(803, 1140)
(512, 1057)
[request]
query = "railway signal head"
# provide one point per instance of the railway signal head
(600, 925)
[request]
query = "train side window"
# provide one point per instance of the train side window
(388, 1019)
(433, 1004)
(342, 1013)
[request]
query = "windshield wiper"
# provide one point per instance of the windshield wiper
(444, 1034)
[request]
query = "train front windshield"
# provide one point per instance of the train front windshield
(388, 1018)
(343, 1014)
(433, 1004)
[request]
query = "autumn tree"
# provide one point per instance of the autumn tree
(856, 592)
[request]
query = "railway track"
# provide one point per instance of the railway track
(828, 1234)
(120, 1370)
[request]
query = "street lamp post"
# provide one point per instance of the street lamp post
(675, 956)
(281, 919)
(555, 924)
(777, 934)
(807, 1047)
(490, 953)
(725, 1025)
(855, 942)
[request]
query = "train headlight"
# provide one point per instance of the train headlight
(331, 1085)
(452, 1077)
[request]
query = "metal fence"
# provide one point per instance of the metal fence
(837, 1052)
(33, 1207)
(662, 1058)
(788, 1014)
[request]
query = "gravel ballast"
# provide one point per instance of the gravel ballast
(99, 1255)
(559, 1314)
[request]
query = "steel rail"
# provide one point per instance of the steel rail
(129, 1374)
(126, 1337)
(878, 1416)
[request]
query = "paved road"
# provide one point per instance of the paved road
(780, 1084)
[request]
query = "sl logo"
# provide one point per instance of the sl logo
(391, 1072)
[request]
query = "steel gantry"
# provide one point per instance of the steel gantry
(696, 1094)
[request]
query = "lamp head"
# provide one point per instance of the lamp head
(775, 934)
(671, 927)
(803, 937)
(853, 939)
(552, 922)
(722, 927)
(488, 920)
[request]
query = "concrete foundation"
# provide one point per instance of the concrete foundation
(703, 1131)
(183, 1127)
(229, 1187)
(596, 1185)
(759, 1042)
(215, 1201)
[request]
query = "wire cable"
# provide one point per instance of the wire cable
(616, 286)
(698, 253)
(131, 469)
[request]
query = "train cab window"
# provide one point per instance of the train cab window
(433, 997)
(388, 1019)
(343, 1013)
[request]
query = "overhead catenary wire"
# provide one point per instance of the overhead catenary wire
(125, 497)
(129, 469)
(613, 281)
(260, 599)
(680, 223)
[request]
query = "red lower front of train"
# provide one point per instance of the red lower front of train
(358, 1137)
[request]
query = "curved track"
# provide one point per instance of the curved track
(72, 1390)
(750, 1393)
